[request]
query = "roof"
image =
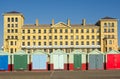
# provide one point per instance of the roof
(78, 52)
(108, 18)
(58, 52)
(39, 52)
(20, 52)
(95, 52)
(113, 52)
(13, 12)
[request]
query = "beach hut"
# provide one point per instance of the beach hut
(20, 60)
(77, 60)
(112, 60)
(39, 60)
(58, 60)
(4, 61)
(95, 60)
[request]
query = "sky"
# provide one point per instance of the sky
(60, 11)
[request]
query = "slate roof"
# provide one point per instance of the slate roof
(107, 17)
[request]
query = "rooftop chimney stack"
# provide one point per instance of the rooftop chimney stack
(68, 22)
(53, 22)
(37, 23)
(83, 22)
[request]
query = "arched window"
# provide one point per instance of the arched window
(8, 19)
(12, 19)
(112, 24)
(16, 19)
(105, 24)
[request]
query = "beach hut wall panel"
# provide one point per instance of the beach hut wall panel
(4, 61)
(39, 62)
(58, 60)
(77, 60)
(112, 60)
(95, 60)
(20, 61)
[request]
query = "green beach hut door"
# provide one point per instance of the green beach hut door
(20, 62)
(77, 61)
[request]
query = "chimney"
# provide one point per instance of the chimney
(68, 23)
(37, 23)
(83, 22)
(53, 22)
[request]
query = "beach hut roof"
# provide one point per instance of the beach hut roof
(95, 52)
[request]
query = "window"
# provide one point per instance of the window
(87, 42)
(50, 37)
(23, 31)
(12, 30)
(112, 30)
(34, 31)
(98, 30)
(72, 37)
(98, 43)
(39, 43)
(108, 36)
(8, 19)
(15, 43)
(71, 31)
(11, 50)
(12, 25)
(12, 37)
(105, 24)
(93, 43)
(93, 37)
(108, 30)
(16, 30)
(23, 37)
(44, 31)
(44, 37)
(60, 37)
(110, 48)
(98, 37)
(34, 43)
(92, 30)
(108, 24)
(28, 31)
(77, 43)
(77, 31)
(39, 37)
(55, 37)
(28, 37)
(82, 37)
(50, 31)
(82, 43)
(113, 36)
(61, 43)
(16, 37)
(66, 37)
(16, 19)
(50, 43)
(110, 41)
(55, 31)
(39, 31)
(66, 43)
(23, 43)
(28, 43)
(11, 43)
(55, 43)
(72, 43)
(12, 19)
(87, 30)
(8, 30)
(112, 24)
(77, 37)
(82, 31)
(87, 37)
(16, 25)
(8, 25)
(8, 37)
(34, 37)
(66, 30)
(60, 30)
(105, 30)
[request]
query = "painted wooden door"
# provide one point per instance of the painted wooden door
(99, 61)
(92, 62)
(58, 61)
(110, 61)
(4, 62)
(20, 62)
(117, 61)
(39, 61)
(77, 60)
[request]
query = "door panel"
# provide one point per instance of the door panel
(55, 61)
(3, 62)
(99, 61)
(92, 62)
(43, 59)
(117, 61)
(110, 61)
(77, 60)
(20, 62)
(61, 62)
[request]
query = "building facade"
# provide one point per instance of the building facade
(65, 36)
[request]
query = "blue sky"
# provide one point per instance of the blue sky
(60, 10)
